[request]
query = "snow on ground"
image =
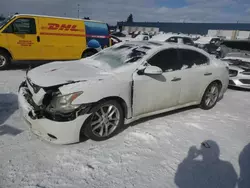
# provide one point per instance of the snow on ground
(145, 155)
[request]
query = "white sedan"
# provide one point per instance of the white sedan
(96, 96)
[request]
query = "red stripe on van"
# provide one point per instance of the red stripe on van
(63, 34)
(75, 35)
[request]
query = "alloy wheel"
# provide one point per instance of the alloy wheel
(105, 120)
(212, 95)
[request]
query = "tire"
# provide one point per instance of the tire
(98, 127)
(211, 96)
(88, 53)
(5, 60)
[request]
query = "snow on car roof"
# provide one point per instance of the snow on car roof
(205, 40)
(164, 37)
(151, 46)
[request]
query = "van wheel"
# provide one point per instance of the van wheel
(4, 60)
(210, 96)
(88, 53)
(105, 121)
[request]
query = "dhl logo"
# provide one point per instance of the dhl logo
(62, 27)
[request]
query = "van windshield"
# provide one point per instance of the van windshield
(4, 22)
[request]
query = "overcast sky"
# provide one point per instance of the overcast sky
(112, 11)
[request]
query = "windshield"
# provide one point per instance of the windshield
(4, 22)
(118, 56)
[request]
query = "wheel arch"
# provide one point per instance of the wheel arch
(115, 98)
(119, 100)
(7, 51)
(214, 81)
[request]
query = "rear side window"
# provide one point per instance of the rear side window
(190, 58)
(22, 26)
(167, 60)
(172, 39)
(188, 41)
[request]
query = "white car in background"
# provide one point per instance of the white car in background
(239, 69)
(96, 96)
(174, 38)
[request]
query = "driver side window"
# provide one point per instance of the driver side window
(167, 60)
(22, 26)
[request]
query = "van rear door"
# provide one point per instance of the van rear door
(22, 39)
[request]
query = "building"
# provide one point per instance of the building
(188, 28)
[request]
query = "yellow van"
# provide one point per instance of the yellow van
(36, 37)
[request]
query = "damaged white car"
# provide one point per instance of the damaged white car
(96, 96)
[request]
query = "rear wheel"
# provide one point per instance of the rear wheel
(105, 121)
(4, 60)
(210, 96)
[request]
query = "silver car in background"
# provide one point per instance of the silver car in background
(239, 69)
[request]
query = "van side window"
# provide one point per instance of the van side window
(22, 26)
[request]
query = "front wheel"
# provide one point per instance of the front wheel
(4, 60)
(210, 96)
(105, 121)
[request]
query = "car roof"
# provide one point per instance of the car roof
(163, 37)
(157, 45)
(46, 16)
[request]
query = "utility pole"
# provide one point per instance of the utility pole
(78, 5)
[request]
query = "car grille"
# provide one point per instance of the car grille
(233, 73)
(35, 88)
(245, 81)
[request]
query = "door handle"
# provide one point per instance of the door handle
(38, 38)
(175, 79)
(208, 74)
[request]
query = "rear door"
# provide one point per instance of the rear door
(22, 39)
(197, 74)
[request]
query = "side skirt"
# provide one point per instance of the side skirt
(127, 121)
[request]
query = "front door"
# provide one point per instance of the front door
(158, 92)
(22, 39)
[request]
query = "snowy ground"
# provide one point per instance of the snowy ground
(145, 155)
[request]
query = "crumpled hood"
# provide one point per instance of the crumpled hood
(59, 73)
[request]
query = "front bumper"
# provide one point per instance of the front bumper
(236, 82)
(57, 132)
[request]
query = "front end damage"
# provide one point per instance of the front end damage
(48, 119)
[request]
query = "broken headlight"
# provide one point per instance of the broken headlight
(63, 103)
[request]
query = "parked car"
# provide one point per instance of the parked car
(119, 34)
(229, 46)
(239, 70)
(36, 37)
(174, 38)
(97, 95)
(209, 44)
(114, 40)
(140, 37)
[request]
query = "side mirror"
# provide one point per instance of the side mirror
(153, 70)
